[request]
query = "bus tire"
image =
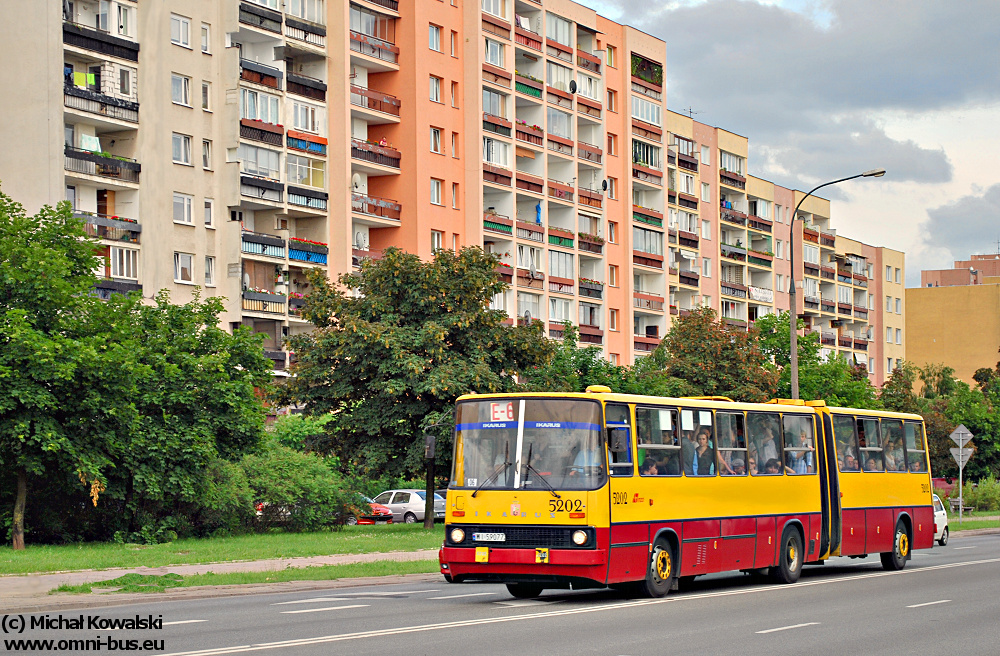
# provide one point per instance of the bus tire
(895, 560)
(790, 554)
(524, 590)
(661, 571)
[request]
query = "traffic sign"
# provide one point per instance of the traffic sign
(961, 435)
(961, 456)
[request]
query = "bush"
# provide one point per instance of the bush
(298, 491)
(985, 496)
(224, 505)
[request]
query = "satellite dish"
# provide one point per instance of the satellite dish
(246, 281)
(604, 185)
(359, 241)
(532, 271)
(356, 180)
(572, 86)
(527, 316)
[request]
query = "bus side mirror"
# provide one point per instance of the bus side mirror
(619, 440)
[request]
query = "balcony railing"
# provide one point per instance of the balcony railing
(310, 33)
(388, 4)
(307, 251)
(268, 133)
(527, 38)
(591, 289)
(105, 287)
(99, 41)
(304, 197)
(255, 243)
(372, 206)
(253, 186)
(82, 161)
(268, 76)
(307, 87)
(528, 86)
(103, 226)
(374, 47)
(498, 223)
(97, 103)
(647, 301)
(375, 153)
(267, 302)
(376, 100)
(261, 17)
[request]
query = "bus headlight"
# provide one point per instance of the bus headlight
(579, 538)
(457, 535)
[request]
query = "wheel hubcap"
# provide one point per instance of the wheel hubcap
(662, 565)
(904, 544)
(793, 555)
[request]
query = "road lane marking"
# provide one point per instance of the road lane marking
(383, 594)
(930, 603)
(299, 642)
(471, 594)
(308, 601)
(793, 626)
(317, 610)
(960, 548)
(183, 622)
(529, 602)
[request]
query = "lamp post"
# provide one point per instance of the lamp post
(793, 310)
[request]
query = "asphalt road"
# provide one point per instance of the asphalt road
(945, 601)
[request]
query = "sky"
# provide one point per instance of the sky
(825, 89)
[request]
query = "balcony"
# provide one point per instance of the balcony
(827, 305)
(527, 85)
(590, 243)
(810, 235)
(530, 231)
(307, 87)
(304, 250)
(645, 174)
(375, 100)
(828, 273)
(760, 259)
(734, 252)
(264, 301)
(529, 182)
(496, 125)
(374, 47)
(256, 130)
(256, 187)
(560, 190)
(757, 223)
(268, 76)
(588, 62)
(92, 102)
(591, 288)
(589, 152)
(111, 228)
(647, 215)
(313, 199)
(497, 174)
(689, 239)
(279, 359)
(496, 26)
(652, 302)
(645, 259)
(530, 280)
(761, 294)
(388, 4)
(828, 339)
(732, 179)
(505, 272)
(113, 168)
(860, 344)
(529, 133)
(827, 239)
(527, 38)
(311, 33)
(561, 285)
(645, 344)
(560, 237)
(257, 16)
(845, 341)
(359, 256)
(105, 287)
(687, 162)
(375, 153)
(589, 106)
(560, 145)
(100, 42)
(733, 216)
(255, 243)
(376, 207)
(733, 289)
(652, 133)
(498, 223)
(591, 334)
(687, 277)
(307, 143)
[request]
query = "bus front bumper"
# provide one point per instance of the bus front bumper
(460, 564)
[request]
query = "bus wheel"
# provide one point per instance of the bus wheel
(895, 560)
(524, 590)
(789, 557)
(661, 572)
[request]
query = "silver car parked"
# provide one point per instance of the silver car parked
(408, 505)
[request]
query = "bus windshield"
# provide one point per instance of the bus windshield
(529, 444)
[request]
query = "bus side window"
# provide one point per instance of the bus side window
(800, 452)
(871, 448)
(617, 416)
(847, 443)
(659, 446)
(892, 445)
(732, 446)
(915, 451)
(764, 437)
(702, 461)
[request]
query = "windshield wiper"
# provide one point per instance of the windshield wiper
(499, 470)
(541, 477)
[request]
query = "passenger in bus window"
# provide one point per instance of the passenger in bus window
(671, 466)
(752, 466)
(772, 466)
(648, 468)
(704, 460)
(871, 465)
(850, 463)
(739, 469)
(798, 453)
(767, 450)
(916, 467)
(688, 446)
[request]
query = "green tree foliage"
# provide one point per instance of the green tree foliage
(839, 383)
(572, 369)
(938, 380)
(897, 392)
(718, 360)
(392, 358)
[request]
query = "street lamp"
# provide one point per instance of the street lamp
(792, 311)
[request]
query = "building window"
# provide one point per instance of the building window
(779, 283)
(307, 118)
(436, 140)
(180, 31)
(206, 40)
(125, 21)
(182, 208)
(125, 81)
(454, 195)
(183, 263)
(706, 192)
(310, 10)
(898, 276)
(454, 94)
(706, 229)
(494, 53)
(871, 365)
(899, 336)
(612, 275)
(436, 192)
(209, 213)
(306, 171)
(558, 77)
(706, 155)
(778, 244)
(124, 263)
(437, 240)
(181, 148)
(888, 365)
(180, 90)
(888, 303)
(645, 154)
(612, 101)
(613, 320)
(612, 58)
(646, 111)
(206, 154)
(435, 93)
(454, 42)
(454, 145)
(259, 106)
(888, 274)
(495, 7)
(209, 271)
(613, 144)
(206, 96)
(899, 306)
(706, 267)
(496, 152)
(888, 335)
(494, 103)
(259, 161)
(434, 38)
(612, 188)
(558, 29)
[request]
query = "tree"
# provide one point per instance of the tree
(839, 383)
(897, 392)
(55, 414)
(390, 359)
(572, 369)
(718, 360)
(938, 380)
(776, 344)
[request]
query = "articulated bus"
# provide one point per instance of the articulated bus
(596, 489)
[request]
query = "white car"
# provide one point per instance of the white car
(407, 506)
(940, 521)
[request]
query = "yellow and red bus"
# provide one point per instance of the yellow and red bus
(595, 489)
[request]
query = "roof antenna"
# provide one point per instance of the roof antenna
(690, 112)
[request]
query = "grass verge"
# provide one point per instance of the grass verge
(192, 551)
(970, 524)
(150, 583)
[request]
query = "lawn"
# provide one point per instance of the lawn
(349, 540)
(154, 583)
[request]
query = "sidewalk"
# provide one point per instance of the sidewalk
(31, 591)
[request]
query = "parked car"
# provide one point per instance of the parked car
(408, 505)
(380, 514)
(940, 521)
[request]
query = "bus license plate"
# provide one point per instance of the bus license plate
(489, 537)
